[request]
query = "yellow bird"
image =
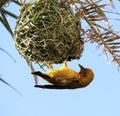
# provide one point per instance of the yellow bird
(66, 78)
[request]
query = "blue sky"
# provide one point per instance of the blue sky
(100, 98)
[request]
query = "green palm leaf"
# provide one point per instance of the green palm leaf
(4, 13)
(10, 86)
(98, 27)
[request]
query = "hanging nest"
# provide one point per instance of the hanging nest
(48, 32)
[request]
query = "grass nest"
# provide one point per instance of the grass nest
(48, 32)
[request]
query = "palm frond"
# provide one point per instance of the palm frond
(5, 82)
(4, 13)
(112, 4)
(98, 27)
(8, 54)
(4, 21)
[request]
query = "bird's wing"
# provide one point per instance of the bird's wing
(47, 77)
(57, 82)
(70, 85)
(42, 75)
(64, 81)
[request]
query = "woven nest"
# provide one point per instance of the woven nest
(47, 31)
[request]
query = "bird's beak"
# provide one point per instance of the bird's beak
(81, 67)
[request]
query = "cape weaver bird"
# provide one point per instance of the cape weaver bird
(66, 78)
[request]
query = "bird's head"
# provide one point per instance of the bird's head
(86, 75)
